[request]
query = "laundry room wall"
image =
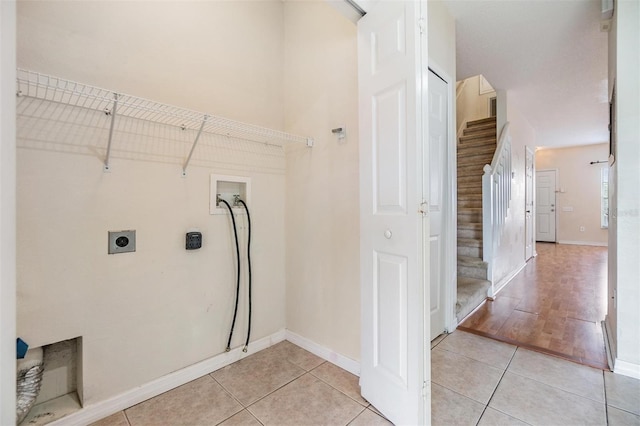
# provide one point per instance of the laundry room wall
(322, 188)
(145, 314)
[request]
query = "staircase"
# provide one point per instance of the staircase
(476, 148)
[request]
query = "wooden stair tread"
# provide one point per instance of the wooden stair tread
(472, 160)
(469, 242)
(471, 261)
(471, 168)
(469, 179)
(480, 143)
(481, 122)
(478, 133)
(481, 127)
(477, 151)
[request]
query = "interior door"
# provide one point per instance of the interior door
(393, 222)
(546, 206)
(438, 132)
(528, 201)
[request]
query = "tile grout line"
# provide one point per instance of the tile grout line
(473, 359)
(558, 388)
(334, 388)
(277, 389)
(124, 412)
(496, 388)
(606, 406)
(356, 416)
(226, 391)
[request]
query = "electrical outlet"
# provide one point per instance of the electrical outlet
(122, 241)
(582, 229)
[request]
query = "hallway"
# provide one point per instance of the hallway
(554, 305)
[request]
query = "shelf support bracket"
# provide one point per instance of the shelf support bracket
(113, 121)
(193, 147)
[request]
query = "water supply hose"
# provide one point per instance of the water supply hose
(246, 344)
(235, 233)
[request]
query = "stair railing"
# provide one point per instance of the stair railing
(496, 197)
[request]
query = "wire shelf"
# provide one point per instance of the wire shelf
(36, 85)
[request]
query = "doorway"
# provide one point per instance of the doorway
(438, 105)
(546, 206)
(529, 250)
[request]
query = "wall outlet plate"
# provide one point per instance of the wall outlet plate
(193, 240)
(122, 241)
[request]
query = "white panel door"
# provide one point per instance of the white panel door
(393, 225)
(528, 201)
(546, 206)
(438, 132)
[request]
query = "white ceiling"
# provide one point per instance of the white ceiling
(548, 54)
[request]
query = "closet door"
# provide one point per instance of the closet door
(393, 219)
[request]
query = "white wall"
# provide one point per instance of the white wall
(470, 104)
(143, 315)
(220, 57)
(7, 213)
(442, 38)
(580, 186)
(510, 255)
(625, 68)
(322, 187)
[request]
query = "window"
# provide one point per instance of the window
(604, 198)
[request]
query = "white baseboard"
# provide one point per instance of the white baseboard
(608, 341)
(584, 243)
(494, 289)
(341, 361)
(626, 368)
(102, 409)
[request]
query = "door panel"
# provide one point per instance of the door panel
(393, 249)
(390, 338)
(389, 116)
(528, 200)
(438, 137)
(546, 206)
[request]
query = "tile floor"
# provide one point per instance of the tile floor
(475, 381)
(281, 385)
(481, 381)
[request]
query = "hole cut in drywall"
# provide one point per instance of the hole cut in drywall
(61, 389)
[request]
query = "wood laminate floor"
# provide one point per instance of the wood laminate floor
(554, 305)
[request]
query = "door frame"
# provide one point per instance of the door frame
(450, 192)
(534, 253)
(8, 216)
(535, 187)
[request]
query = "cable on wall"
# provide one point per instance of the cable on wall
(246, 344)
(235, 310)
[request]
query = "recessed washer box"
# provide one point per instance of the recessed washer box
(227, 188)
(122, 241)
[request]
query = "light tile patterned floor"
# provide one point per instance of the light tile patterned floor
(532, 388)
(476, 381)
(282, 385)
